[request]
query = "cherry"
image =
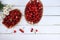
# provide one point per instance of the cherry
(14, 31)
(21, 30)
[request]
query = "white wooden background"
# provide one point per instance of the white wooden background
(49, 26)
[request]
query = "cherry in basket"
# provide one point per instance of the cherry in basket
(12, 19)
(33, 11)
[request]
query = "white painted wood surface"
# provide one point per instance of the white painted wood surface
(49, 26)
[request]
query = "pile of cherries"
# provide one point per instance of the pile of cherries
(12, 19)
(33, 11)
(33, 14)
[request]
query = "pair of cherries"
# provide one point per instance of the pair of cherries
(33, 14)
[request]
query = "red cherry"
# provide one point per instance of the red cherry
(21, 30)
(36, 30)
(14, 31)
(31, 30)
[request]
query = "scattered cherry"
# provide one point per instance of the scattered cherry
(14, 31)
(21, 30)
(36, 30)
(31, 30)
